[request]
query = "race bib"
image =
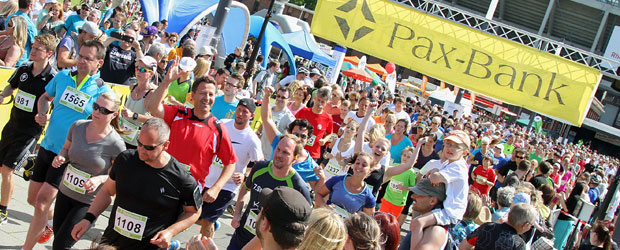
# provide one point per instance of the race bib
(311, 141)
(394, 186)
(131, 128)
(24, 100)
(333, 168)
(128, 224)
(74, 179)
(341, 211)
(250, 223)
(74, 99)
(218, 162)
(481, 179)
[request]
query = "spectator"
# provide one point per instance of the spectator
(363, 231)
(325, 230)
(600, 237)
(25, 7)
(9, 8)
(564, 224)
(52, 22)
(460, 231)
(504, 201)
(120, 61)
(12, 45)
(75, 22)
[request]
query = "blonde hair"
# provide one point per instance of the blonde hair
(9, 8)
(60, 11)
(325, 230)
(376, 131)
(202, 67)
(19, 31)
(363, 231)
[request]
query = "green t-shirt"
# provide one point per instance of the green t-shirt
(393, 194)
(508, 148)
(179, 90)
(534, 157)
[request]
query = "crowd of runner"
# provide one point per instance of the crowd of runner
(325, 166)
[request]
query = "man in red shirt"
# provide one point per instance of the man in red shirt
(321, 121)
(195, 134)
(484, 176)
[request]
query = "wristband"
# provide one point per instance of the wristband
(135, 116)
(90, 217)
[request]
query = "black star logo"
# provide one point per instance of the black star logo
(344, 25)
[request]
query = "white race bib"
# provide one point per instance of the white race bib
(341, 211)
(311, 140)
(217, 162)
(74, 99)
(74, 179)
(24, 100)
(394, 186)
(250, 223)
(131, 128)
(333, 168)
(128, 224)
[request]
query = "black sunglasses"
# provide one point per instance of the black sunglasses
(301, 136)
(102, 110)
(148, 147)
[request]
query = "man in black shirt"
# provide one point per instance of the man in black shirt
(150, 187)
(21, 131)
(517, 156)
(120, 61)
(540, 177)
(504, 236)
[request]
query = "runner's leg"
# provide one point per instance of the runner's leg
(42, 210)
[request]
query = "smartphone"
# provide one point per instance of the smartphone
(119, 36)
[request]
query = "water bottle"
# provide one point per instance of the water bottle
(174, 245)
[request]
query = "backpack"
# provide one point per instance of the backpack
(216, 123)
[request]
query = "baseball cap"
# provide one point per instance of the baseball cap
(148, 61)
(206, 51)
(596, 179)
(302, 70)
(248, 103)
(424, 187)
(459, 137)
(521, 198)
(316, 71)
(90, 28)
(149, 31)
(51, 1)
(284, 206)
(187, 64)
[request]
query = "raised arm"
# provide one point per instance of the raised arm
(359, 141)
(269, 127)
(154, 104)
(396, 170)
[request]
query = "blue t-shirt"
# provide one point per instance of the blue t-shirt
(32, 32)
(593, 193)
(222, 109)
(352, 203)
(62, 116)
(305, 168)
(73, 24)
(395, 150)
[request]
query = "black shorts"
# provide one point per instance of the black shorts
(15, 148)
(212, 211)
(43, 170)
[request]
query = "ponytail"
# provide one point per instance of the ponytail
(115, 123)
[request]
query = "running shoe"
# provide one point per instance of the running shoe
(4, 218)
(216, 226)
(47, 235)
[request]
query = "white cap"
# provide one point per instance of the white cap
(91, 28)
(206, 50)
(51, 1)
(150, 62)
(187, 64)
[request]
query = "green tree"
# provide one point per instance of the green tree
(309, 4)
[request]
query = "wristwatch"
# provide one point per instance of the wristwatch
(135, 116)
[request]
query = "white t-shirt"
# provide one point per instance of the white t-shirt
(352, 115)
(402, 115)
(333, 168)
(247, 148)
(457, 187)
(288, 79)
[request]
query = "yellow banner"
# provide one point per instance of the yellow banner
(7, 104)
(460, 55)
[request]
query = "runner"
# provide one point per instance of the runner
(89, 150)
(280, 115)
(247, 148)
(146, 214)
(225, 105)
(320, 120)
(266, 174)
(21, 131)
(76, 91)
(196, 129)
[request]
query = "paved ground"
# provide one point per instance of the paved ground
(13, 234)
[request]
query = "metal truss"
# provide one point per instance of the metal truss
(506, 31)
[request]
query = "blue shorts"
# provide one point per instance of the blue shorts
(212, 211)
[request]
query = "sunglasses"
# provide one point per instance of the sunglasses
(143, 69)
(102, 110)
(148, 147)
(520, 157)
(281, 97)
(301, 136)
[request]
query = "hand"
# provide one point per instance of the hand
(41, 119)
(199, 242)
(319, 172)
(92, 183)
(238, 178)
(429, 173)
(211, 194)
(371, 108)
(422, 140)
(435, 178)
(135, 44)
(58, 160)
(79, 229)
(236, 222)
(173, 72)
(268, 90)
(126, 113)
(162, 239)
